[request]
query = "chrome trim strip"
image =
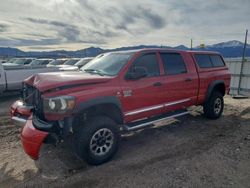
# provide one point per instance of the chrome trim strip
(176, 102)
(127, 128)
(143, 110)
(155, 107)
(18, 121)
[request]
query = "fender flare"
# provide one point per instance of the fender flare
(98, 101)
(211, 88)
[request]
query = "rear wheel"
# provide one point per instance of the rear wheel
(97, 141)
(213, 108)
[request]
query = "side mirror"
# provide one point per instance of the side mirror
(136, 73)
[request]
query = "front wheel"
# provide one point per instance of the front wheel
(213, 108)
(98, 140)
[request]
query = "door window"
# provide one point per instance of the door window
(149, 63)
(173, 63)
(217, 61)
(203, 60)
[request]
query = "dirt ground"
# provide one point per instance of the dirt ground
(189, 152)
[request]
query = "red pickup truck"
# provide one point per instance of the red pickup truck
(117, 91)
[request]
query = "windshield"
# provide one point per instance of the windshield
(82, 62)
(35, 62)
(20, 61)
(56, 62)
(12, 60)
(71, 62)
(39, 62)
(107, 64)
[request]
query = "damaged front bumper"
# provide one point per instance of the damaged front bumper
(35, 131)
(32, 139)
(19, 113)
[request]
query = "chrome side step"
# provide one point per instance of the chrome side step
(150, 122)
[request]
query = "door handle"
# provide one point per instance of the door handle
(157, 84)
(188, 80)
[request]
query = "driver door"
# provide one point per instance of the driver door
(143, 97)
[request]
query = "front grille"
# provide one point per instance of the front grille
(32, 97)
(29, 94)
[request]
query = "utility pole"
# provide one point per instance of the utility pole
(191, 45)
(242, 61)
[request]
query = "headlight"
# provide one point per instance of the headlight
(60, 104)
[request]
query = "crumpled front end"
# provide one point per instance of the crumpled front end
(32, 139)
(35, 127)
(19, 113)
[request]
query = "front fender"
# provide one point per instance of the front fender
(98, 101)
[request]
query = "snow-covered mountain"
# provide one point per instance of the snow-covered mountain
(232, 48)
(229, 44)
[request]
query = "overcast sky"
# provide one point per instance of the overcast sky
(77, 24)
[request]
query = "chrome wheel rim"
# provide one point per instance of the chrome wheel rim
(101, 142)
(217, 105)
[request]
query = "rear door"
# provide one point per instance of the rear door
(180, 82)
(143, 97)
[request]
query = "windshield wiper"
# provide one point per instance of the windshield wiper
(94, 71)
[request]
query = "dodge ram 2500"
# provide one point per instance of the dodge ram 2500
(116, 91)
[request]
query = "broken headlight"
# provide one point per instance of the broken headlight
(61, 104)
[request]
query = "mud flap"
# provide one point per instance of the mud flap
(32, 139)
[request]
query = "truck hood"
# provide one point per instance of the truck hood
(61, 80)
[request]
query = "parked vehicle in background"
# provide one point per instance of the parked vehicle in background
(19, 62)
(40, 63)
(57, 62)
(83, 62)
(3, 61)
(71, 62)
(117, 91)
(11, 60)
(11, 77)
(77, 66)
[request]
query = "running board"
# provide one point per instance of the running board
(145, 123)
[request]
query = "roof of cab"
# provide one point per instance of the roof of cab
(165, 49)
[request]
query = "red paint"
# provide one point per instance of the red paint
(17, 109)
(47, 81)
(32, 139)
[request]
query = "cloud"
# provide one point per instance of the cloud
(124, 17)
(66, 31)
(48, 22)
(71, 33)
(3, 28)
(84, 23)
(28, 42)
(152, 18)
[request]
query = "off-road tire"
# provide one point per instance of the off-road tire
(86, 135)
(213, 108)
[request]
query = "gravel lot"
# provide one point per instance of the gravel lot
(190, 152)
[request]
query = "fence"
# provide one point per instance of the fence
(240, 81)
